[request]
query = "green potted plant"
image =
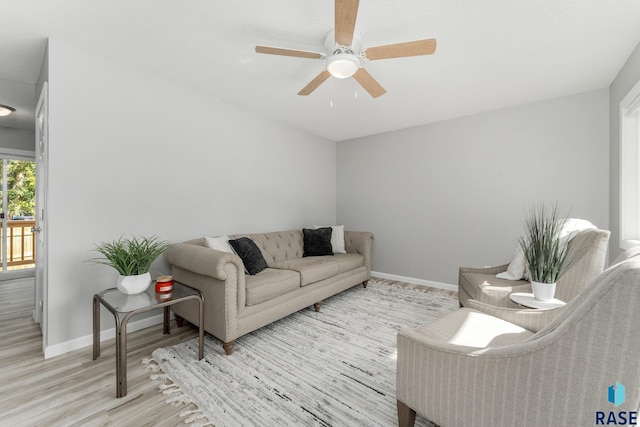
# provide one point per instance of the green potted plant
(132, 258)
(545, 253)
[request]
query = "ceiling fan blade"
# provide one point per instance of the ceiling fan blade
(369, 84)
(313, 84)
(346, 12)
(401, 50)
(288, 52)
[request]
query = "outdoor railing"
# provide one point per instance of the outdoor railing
(21, 244)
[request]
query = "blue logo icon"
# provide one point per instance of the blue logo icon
(616, 394)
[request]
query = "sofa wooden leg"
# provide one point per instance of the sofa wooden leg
(406, 415)
(228, 347)
(179, 320)
(317, 306)
(365, 283)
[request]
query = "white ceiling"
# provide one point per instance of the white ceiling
(491, 54)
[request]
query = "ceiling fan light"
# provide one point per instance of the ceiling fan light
(343, 65)
(5, 110)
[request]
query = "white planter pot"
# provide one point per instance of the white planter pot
(132, 285)
(543, 291)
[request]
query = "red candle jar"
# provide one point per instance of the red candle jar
(161, 297)
(164, 284)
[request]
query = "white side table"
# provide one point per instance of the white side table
(528, 300)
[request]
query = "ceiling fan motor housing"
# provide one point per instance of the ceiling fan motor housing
(343, 61)
(331, 45)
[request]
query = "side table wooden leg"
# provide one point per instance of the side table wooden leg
(201, 328)
(121, 354)
(119, 392)
(96, 328)
(167, 327)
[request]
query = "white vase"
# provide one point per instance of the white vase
(132, 285)
(543, 291)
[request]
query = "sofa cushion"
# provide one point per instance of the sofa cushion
(491, 290)
(311, 269)
(348, 262)
(317, 242)
(250, 255)
(270, 283)
(472, 329)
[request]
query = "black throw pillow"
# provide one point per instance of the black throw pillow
(317, 242)
(250, 255)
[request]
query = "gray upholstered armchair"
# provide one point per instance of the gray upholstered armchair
(481, 284)
(469, 368)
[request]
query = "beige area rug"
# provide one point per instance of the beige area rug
(333, 368)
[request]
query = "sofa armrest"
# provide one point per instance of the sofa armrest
(202, 260)
(528, 318)
(359, 242)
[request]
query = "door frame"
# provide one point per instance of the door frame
(40, 312)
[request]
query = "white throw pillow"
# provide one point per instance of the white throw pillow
(219, 243)
(337, 237)
(517, 270)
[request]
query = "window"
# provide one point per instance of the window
(630, 168)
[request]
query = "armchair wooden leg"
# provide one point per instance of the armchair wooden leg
(317, 306)
(228, 347)
(406, 415)
(365, 283)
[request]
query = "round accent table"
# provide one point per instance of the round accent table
(528, 300)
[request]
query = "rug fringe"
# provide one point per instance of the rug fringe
(415, 287)
(194, 417)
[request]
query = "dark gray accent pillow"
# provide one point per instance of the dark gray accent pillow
(250, 255)
(317, 241)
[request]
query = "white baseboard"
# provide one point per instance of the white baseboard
(415, 281)
(87, 340)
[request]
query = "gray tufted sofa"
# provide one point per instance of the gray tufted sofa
(237, 303)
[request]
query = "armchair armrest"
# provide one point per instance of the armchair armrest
(486, 270)
(202, 260)
(528, 318)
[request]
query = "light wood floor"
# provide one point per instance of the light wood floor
(72, 389)
(16, 298)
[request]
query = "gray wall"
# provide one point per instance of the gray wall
(628, 76)
(132, 153)
(17, 139)
(452, 193)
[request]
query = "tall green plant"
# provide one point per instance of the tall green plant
(130, 256)
(544, 252)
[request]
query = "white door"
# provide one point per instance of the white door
(42, 135)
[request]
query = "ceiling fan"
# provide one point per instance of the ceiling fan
(344, 54)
